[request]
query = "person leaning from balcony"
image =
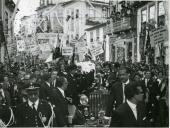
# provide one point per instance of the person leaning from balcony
(132, 112)
(58, 99)
(117, 96)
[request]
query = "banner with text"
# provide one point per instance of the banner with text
(20, 45)
(67, 51)
(96, 50)
(47, 41)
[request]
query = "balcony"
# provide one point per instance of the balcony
(126, 23)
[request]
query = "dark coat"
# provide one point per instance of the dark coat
(60, 109)
(45, 91)
(25, 117)
(116, 95)
(123, 117)
(5, 113)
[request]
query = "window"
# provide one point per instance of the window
(77, 13)
(91, 36)
(152, 13)
(72, 20)
(161, 14)
(97, 34)
(43, 2)
(91, 13)
(144, 15)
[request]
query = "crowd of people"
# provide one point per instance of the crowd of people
(39, 95)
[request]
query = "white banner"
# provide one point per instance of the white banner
(96, 50)
(47, 41)
(67, 51)
(20, 45)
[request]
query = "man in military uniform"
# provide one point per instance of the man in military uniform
(35, 112)
(5, 113)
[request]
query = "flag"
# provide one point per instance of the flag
(148, 45)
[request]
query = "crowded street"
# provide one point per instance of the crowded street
(84, 63)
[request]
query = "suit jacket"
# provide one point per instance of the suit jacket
(25, 117)
(60, 109)
(116, 94)
(45, 91)
(123, 117)
(5, 113)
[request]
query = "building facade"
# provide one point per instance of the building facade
(6, 12)
(80, 15)
(152, 31)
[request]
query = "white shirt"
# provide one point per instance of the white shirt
(47, 83)
(133, 108)
(31, 104)
(2, 92)
(124, 84)
(62, 91)
(146, 82)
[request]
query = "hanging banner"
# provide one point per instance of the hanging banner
(47, 41)
(159, 35)
(81, 44)
(67, 51)
(96, 50)
(20, 45)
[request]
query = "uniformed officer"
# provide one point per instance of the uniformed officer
(6, 114)
(35, 112)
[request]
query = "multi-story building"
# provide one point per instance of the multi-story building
(152, 32)
(28, 28)
(80, 15)
(134, 29)
(50, 16)
(28, 25)
(121, 30)
(6, 12)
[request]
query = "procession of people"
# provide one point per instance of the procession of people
(39, 96)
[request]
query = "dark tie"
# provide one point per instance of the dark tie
(123, 86)
(33, 108)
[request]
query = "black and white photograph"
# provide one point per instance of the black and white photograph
(84, 63)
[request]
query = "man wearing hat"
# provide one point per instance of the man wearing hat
(35, 112)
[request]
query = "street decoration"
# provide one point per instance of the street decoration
(67, 51)
(20, 45)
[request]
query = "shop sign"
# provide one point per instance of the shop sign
(67, 51)
(158, 36)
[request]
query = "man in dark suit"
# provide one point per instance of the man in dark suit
(54, 76)
(45, 88)
(152, 91)
(131, 113)
(35, 112)
(61, 104)
(117, 96)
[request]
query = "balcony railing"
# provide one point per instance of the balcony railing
(121, 25)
